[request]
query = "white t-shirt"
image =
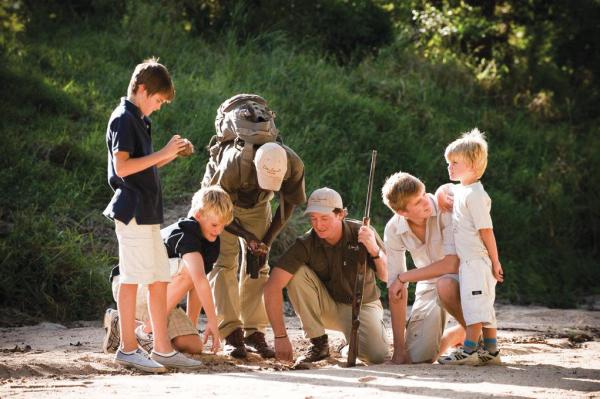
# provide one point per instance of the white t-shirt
(471, 213)
(399, 238)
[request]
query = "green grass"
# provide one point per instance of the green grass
(58, 92)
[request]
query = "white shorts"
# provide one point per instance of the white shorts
(142, 254)
(141, 300)
(478, 292)
(425, 325)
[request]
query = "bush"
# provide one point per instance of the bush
(342, 28)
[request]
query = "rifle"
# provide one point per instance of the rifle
(359, 282)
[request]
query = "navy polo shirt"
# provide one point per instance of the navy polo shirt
(185, 236)
(137, 195)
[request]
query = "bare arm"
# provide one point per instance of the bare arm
(166, 161)
(489, 240)
(195, 266)
(448, 264)
(125, 165)
(273, 296)
(277, 224)
(398, 296)
(193, 306)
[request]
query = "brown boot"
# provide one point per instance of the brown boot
(318, 350)
(234, 344)
(255, 342)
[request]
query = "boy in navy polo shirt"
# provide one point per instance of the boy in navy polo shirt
(136, 207)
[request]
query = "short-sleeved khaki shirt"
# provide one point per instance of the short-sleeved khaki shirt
(399, 238)
(335, 265)
(247, 194)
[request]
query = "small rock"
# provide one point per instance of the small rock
(367, 379)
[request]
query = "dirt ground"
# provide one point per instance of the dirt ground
(547, 353)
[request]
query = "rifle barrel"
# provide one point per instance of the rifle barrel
(370, 187)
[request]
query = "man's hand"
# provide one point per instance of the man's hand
(445, 197)
(258, 248)
(283, 349)
(498, 272)
(366, 236)
(397, 291)
(212, 330)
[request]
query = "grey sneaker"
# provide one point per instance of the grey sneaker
(176, 361)
(145, 340)
(110, 344)
(140, 361)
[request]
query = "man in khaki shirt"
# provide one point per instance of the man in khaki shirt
(319, 270)
(239, 305)
(419, 227)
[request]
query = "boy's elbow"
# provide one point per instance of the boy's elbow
(120, 170)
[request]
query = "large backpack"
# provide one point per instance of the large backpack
(245, 121)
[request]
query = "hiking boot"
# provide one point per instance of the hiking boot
(144, 339)
(460, 356)
(234, 344)
(318, 350)
(176, 361)
(139, 360)
(487, 357)
(255, 342)
(110, 343)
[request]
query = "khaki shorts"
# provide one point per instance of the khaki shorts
(478, 292)
(425, 325)
(142, 254)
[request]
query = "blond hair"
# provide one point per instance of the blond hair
(399, 188)
(155, 78)
(212, 200)
(471, 147)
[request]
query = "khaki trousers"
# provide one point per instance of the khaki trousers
(240, 304)
(318, 311)
(425, 325)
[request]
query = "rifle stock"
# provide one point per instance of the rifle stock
(361, 271)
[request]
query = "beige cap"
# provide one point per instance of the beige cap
(271, 164)
(324, 200)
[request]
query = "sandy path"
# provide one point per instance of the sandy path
(547, 353)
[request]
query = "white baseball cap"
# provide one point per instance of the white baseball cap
(271, 164)
(324, 200)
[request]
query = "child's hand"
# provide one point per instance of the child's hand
(498, 272)
(174, 145)
(212, 330)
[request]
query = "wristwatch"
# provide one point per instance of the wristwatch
(376, 256)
